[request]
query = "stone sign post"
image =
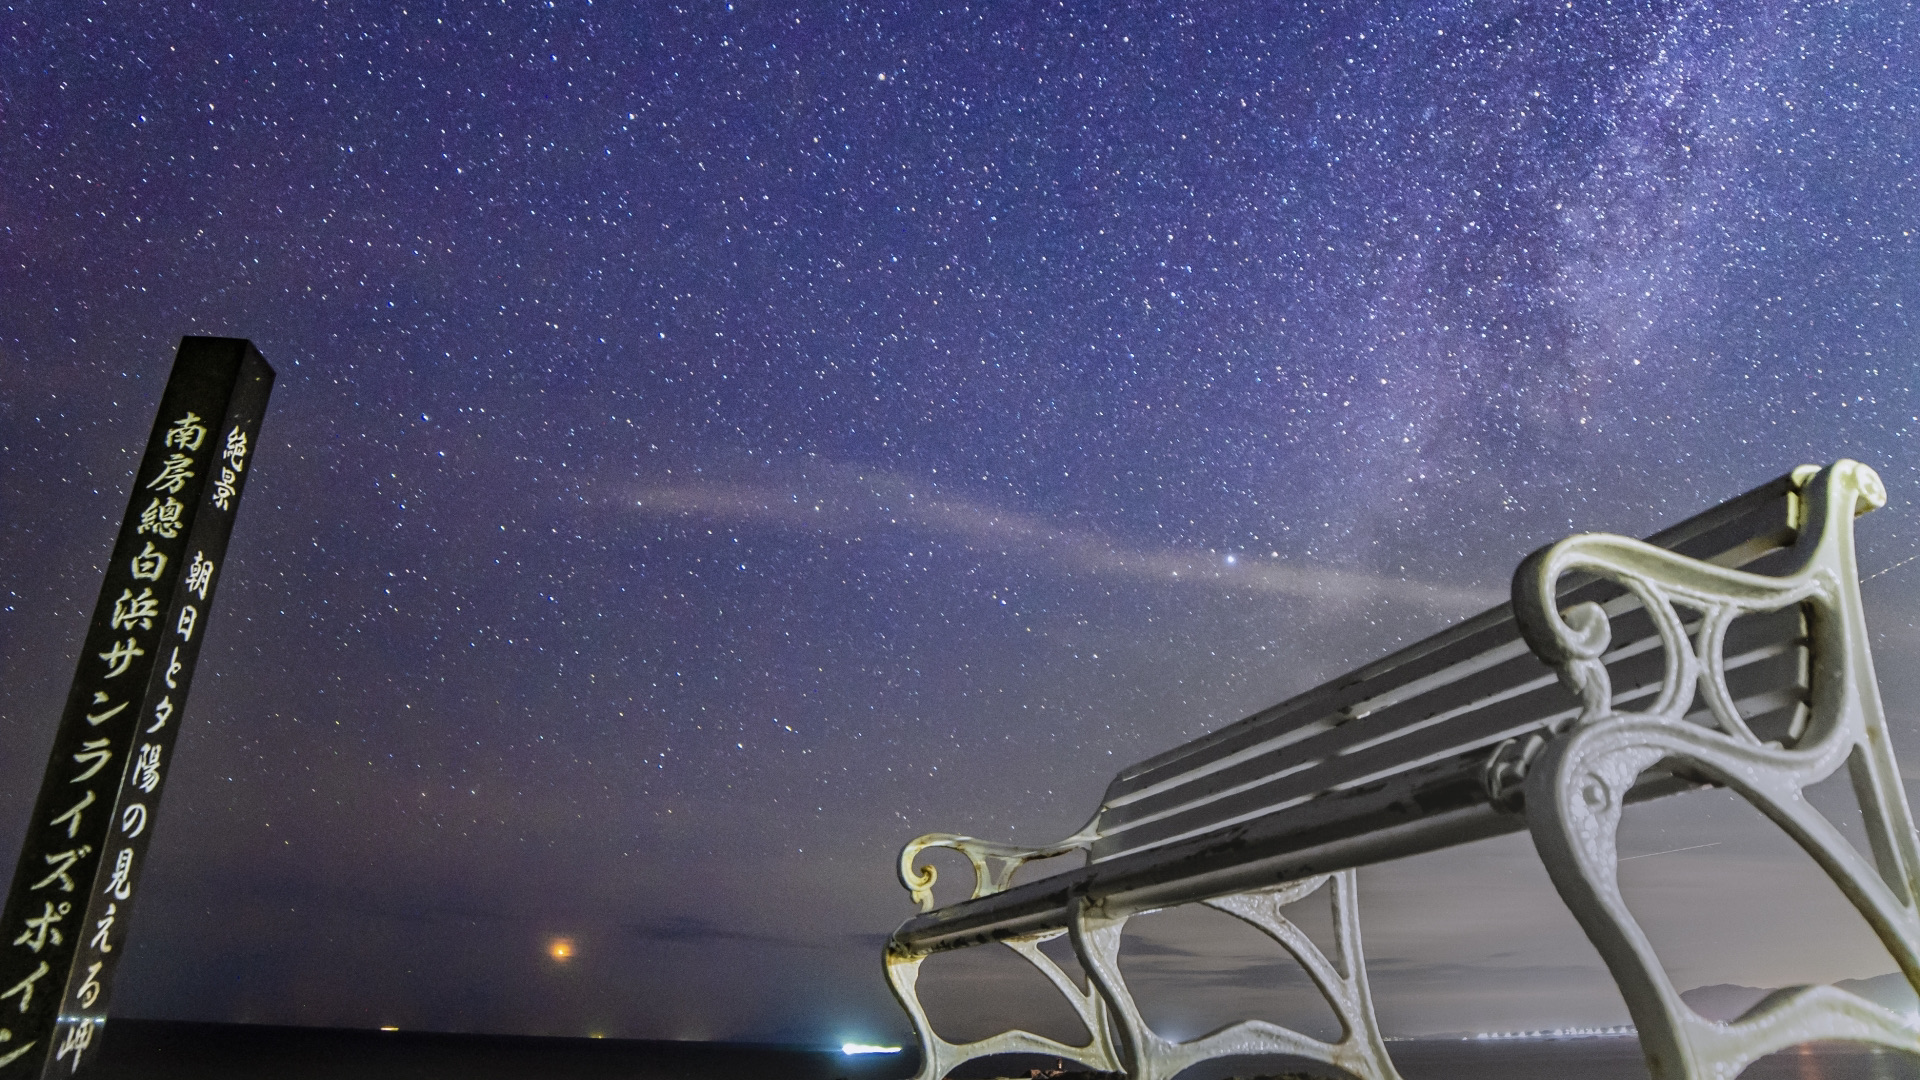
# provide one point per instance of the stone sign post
(79, 871)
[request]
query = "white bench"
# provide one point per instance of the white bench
(1728, 650)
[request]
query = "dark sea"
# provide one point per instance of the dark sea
(163, 1050)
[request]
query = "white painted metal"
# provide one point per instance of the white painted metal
(993, 868)
(938, 1057)
(1147, 1055)
(1120, 1039)
(1568, 775)
(1574, 787)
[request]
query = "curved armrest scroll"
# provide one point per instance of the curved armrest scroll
(993, 864)
(1575, 641)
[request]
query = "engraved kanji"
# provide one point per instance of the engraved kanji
(94, 750)
(120, 884)
(161, 517)
(101, 929)
(236, 448)
(149, 564)
(25, 986)
(199, 575)
(100, 698)
(80, 1035)
(62, 862)
(187, 433)
(130, 611)
(121, 656)
(173, 474)
(72, 816)
(161, 714)
(146, 768)
(44, 928)
(189, 615)
(224, 489)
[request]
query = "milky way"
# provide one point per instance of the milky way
(715, 445)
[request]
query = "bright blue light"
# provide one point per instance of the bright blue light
(863, 1048)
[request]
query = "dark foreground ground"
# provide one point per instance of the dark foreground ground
(164, 1050)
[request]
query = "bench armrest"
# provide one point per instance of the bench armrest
(1575, 641)
(993, 864)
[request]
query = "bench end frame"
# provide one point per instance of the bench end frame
(1568, 781)
(1120, 1040)
(1576, 786)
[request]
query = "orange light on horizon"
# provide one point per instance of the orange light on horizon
(561, 949)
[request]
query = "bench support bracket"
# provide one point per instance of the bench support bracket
(938, 1057)
(1576, 787)
(1147, 1055)
(1121, 1040)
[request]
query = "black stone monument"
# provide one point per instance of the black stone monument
(79, 871)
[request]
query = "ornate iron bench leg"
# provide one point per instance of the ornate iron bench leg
(1573, 807)
(1147, 1055)
(1576, 786)
(938, 1057)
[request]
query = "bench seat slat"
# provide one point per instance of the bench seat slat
(1434, 806)
(1351, 738)
(1325, 740)
(1389, 760)
(1405, 734)
(1734, 533)
(1484, 727)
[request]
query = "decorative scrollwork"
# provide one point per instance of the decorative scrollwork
(1119, 1040)
(938, 1057)
(1577, 783)
(994, 864)
(1662, 583)
(1341, 979)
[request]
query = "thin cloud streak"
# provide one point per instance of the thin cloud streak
(881, 502)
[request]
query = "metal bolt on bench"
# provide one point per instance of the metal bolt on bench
(1729, 650)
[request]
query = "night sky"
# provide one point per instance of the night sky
(715, 444)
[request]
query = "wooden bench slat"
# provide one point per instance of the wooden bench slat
(1473, 714)
(1482, 728)
(1388, 760)
(1427, 808)
(1486, 631)
(1494, 688)
(1338, 736)
(1420, 810)
(1734, 533)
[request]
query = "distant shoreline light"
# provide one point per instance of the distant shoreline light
(864, 1048)
(1558, 1033)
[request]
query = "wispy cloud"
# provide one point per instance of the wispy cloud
(871, 502)
(694, 930)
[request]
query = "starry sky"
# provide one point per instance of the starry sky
(716, 443)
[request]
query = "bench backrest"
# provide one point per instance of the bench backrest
(1467, 689)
